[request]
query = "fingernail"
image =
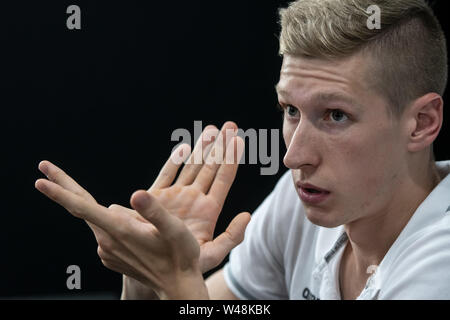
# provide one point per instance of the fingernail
(39, 186)
(43, 167)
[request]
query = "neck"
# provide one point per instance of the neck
(371, 237)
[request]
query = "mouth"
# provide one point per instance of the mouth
(310, 194)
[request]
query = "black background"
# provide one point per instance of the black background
(102, 102)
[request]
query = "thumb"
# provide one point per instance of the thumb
(231, 237)
(150, 209)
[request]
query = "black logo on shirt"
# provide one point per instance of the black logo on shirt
(307, 294)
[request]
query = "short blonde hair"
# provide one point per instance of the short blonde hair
(409, 50)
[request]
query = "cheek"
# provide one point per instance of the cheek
(368, 167)
(364, 149)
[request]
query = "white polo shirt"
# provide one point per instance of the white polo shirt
(285, 256)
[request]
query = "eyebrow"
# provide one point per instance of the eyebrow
(324, 97)
(279, 90)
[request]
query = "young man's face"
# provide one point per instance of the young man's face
(340, 137)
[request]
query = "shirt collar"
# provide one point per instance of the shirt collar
(432, 208)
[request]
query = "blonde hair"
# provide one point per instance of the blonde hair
(409, 50)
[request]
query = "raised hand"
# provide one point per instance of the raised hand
(196, 199)
(198, 195)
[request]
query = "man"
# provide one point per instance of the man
(366, 214)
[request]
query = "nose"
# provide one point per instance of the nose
(302, 147)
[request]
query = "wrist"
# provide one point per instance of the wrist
(186, 287)
(133, 289)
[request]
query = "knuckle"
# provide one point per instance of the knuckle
(76, 210)
(106, 245)
(86, 195)
(56, 176)
(113, 206)
(232, 238)
(102, 254)
(165, 174)
(107, 264)
(210, 260)
(210, 165)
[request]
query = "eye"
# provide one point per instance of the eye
(291, 111)
(337, 115)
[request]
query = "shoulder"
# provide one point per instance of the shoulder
(421, 269)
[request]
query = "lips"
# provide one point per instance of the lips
(310, 186)
(311, 194)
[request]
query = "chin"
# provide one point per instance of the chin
(322, 218)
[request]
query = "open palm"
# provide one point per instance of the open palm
(198, 195)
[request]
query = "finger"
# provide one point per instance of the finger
(208, 171)
(123, 269)
(100, 235)
(170, 168)
(149, 208)
(227, 171)
(128, 211)
(116, 253)
(234, 234)
(226, 241)
(80, 207)
(57, 175)
(114, 266)
(196, 159)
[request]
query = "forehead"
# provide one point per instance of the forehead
(301, 77)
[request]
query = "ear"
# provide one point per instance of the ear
(425, 118)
